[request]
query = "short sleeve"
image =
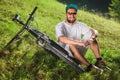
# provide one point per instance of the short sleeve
(86, 32)
(59, 31)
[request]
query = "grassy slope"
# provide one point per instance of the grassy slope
(28, 61)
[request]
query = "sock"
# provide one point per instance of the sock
(99, 59)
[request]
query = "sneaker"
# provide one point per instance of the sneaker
(102, 64)
(90, 67)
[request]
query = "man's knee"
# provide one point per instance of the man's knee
(93, 41)
(72, 47)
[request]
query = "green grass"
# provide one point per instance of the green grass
(25, 60)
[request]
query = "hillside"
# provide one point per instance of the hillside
(24, 60)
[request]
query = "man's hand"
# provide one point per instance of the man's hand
(84, 44)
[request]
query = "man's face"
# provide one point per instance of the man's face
(71, 15)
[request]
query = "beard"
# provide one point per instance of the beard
(71, 20)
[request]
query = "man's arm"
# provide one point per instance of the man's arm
(69, 41)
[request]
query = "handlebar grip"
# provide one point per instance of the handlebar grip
(30, 16)
(33, 11)
(16, 17)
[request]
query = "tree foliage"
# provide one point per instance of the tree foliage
(90, 5)
(114, 9)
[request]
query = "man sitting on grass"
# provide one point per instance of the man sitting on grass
(76, 37)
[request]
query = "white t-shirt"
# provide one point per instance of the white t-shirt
(77, 31)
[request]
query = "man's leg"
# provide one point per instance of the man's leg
(77, 55)
(95, 48)
(81, 58)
